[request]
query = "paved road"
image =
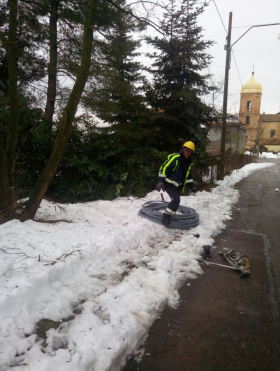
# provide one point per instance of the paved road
(260, 210)
(225, 323)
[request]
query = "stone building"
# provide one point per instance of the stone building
(255, 122)
(235, 137)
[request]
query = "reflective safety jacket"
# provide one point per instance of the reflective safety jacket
(176, 171)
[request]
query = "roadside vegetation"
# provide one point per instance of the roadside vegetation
(79, 118)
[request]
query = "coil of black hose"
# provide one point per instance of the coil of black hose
(188, 218)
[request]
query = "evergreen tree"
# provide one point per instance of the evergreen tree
(179, 60)
(29, 35)
(118, 98)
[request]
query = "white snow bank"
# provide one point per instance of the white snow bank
(104, 269)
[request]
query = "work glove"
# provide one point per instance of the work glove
(160, 186)
(194, 190)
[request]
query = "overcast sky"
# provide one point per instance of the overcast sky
(260, 48)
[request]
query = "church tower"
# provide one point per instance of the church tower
(250, 106)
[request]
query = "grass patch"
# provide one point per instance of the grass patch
(45, 325)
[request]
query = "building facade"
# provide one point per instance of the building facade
(264, 128)
(235, 138)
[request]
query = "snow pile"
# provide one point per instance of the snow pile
(266, 154)
(269, 155)
(98, 278)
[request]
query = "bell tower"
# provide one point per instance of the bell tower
(250, 106)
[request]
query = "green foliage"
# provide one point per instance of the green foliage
(45, 325)
(178, 79)
(34, 143)
(99, 163)
(118, 97)
(34, 148)
(30, 36)
(120, 186)
(263, 148)
(122, 159)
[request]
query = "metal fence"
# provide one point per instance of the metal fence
(210, 173)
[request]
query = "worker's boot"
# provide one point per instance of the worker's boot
(166, 220)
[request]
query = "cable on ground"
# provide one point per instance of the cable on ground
(188, 218)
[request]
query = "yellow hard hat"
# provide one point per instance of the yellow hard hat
(189, 145)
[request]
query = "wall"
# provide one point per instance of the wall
(268, 126)
(254, 114)
(272, 148)
(235, 138)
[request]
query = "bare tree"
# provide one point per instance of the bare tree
(7, 156)
(67, 117)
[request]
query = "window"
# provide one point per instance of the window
(249, 105)
(272, 133)
(247, 120)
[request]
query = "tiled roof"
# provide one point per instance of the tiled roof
(230, 124)
(270, 141)
(270, 117)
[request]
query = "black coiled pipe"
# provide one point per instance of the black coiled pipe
(186, 218)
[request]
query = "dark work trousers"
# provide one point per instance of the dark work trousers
(174, 194)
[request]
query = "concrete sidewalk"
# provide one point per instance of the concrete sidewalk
(224, 322)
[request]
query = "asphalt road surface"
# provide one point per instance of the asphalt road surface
(223, 322)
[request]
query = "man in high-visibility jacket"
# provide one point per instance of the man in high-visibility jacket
(174, 175)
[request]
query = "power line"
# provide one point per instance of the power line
(273, 47)
(236, 67)
(249, 25)
(220, 16)
(231, 50)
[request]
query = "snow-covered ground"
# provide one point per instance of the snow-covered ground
(102, 273)
(269, 155)
(266, 155)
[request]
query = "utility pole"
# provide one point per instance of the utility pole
(228, 48)
(224, 118)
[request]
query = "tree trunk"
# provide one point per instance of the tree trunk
(5, 192)
(11, 50)
(67, 118)
(7, 157)
(52, 71)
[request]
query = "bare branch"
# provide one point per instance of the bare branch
(140, 19)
